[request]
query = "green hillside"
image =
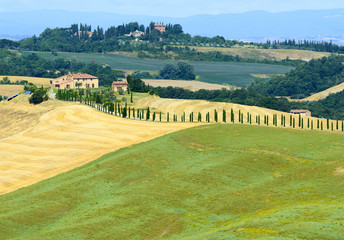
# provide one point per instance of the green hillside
(238, 74)
(208, 182)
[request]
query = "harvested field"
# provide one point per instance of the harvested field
(179, 106)
(45, 82)
(9, 90)
(324, 94)
(39, 142)
(190, 85)
(271, 54)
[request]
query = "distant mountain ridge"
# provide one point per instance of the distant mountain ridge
(252, 26)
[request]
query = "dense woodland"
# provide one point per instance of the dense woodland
(35, 66)
(311, 77)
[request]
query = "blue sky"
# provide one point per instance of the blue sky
(169, 8)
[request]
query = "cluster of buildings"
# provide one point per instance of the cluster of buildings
(137, 33)
(82, 80)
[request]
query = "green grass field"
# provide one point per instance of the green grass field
(208, 182)
(237, 74)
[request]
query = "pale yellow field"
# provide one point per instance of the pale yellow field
(45, 82)
(9, 90)
(39, 142)
(321, 95)
(190, 85)
(179, 106)
(271, 54)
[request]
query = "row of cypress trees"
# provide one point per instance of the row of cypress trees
(145, 114)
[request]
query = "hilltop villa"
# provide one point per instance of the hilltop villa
(117, 85)
(70, 80)
(160, 27)
(304, 113)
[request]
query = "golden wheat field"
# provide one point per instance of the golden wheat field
(321, 95)
(39, 142)
(272, 54)
(45, 82)
(190, 85)
(9, 90)
(180, 106)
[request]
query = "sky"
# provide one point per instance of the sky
(169, 8)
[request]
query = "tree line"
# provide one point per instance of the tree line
(308, 78)
(36, 66)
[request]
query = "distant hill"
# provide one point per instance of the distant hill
(254, 26)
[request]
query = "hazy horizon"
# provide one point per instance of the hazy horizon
(170, 8)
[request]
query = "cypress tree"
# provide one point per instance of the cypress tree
(242, 118)
(199, 117)
(134, 113)
(184, 117)
(131, 97)
(248, 117)
(267, 120)
(168, 117)
(331, 126)
(302, 123)
(318, 124)
(239, 116)
(321, 125)
(283, 121)
(342, 126)
(215, 115)
(224, 115)
(299, 120)
(258, 119)
(148, 114)
(160, 116)
(264, 119)
(328, 123)
(153, 116)
(293, 122)
(232, 115)
(312, 124)
(129, 112)
(308, 123)
(337, 125)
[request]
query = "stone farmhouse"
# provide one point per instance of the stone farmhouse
(137, 34)
(302, 112)
(117, 85)
(160, 27)
(70, 80)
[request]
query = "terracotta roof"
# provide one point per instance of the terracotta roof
(120, 83)
(77, 75)
(82, 75)
(299, 111)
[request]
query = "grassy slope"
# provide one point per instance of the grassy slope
(238, 74)
(212, 181)
(271, 54)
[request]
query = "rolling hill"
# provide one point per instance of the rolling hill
(251, 26)
(208, 182)
(237, 74)
(56, 137)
